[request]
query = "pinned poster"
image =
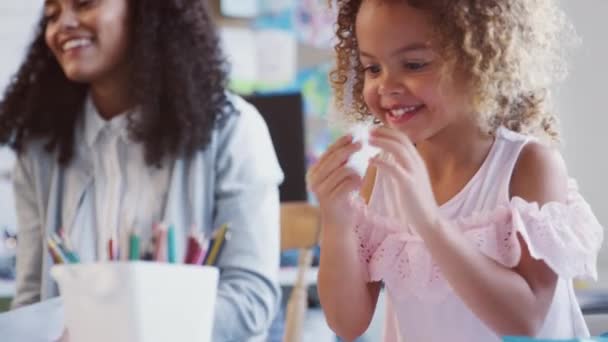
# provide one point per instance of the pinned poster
(277, 61)
(314, 22)
(276, 6)
(240, 8)
(317, 97)
(262, 60)
(277, 46)
(239, 46)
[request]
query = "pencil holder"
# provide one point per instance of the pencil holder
(137, 301)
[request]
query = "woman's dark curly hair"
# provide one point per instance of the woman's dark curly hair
(178, 75)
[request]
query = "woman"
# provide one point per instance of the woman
(120, 119)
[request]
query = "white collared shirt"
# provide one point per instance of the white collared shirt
(128, 194)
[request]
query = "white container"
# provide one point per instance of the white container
(137, 301)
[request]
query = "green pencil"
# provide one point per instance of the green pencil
(171, 245)
(134, 247)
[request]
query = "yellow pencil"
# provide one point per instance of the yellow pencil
(217, 244)
(56, 254)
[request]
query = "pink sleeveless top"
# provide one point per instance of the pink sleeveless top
(421, 306)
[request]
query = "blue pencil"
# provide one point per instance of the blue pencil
(171, 245)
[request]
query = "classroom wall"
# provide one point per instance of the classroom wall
(16, 26)
(583, 110)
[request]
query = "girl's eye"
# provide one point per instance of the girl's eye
(83, 3)
(372, 69)
(414, 66)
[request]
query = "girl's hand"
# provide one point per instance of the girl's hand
(403, 163)
(332, 182)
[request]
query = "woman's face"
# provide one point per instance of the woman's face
(89, 38)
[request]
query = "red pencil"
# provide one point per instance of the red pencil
(193, 250)
(111, 249)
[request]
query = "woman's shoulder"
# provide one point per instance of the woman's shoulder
(245, 137)
(244, 119)
(34, 166)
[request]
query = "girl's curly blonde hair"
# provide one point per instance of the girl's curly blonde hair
(511, 52)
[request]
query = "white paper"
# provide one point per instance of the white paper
(277, 57)
(239, 8)
(239, 46)
(40, 322)
(359, 161)
(260, 59)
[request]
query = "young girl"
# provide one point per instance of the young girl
(120, 119)
(467, 216)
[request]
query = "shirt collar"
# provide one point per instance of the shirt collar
(95, 123)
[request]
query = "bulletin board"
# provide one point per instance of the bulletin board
(310, 22)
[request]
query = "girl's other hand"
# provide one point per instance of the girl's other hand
(403, 163)
(332, 182)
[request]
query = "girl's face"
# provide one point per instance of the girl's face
(89, 38)
(402, 71)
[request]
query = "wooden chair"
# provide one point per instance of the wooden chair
(300, 228)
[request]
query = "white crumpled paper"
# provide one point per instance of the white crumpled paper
(359, 161)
